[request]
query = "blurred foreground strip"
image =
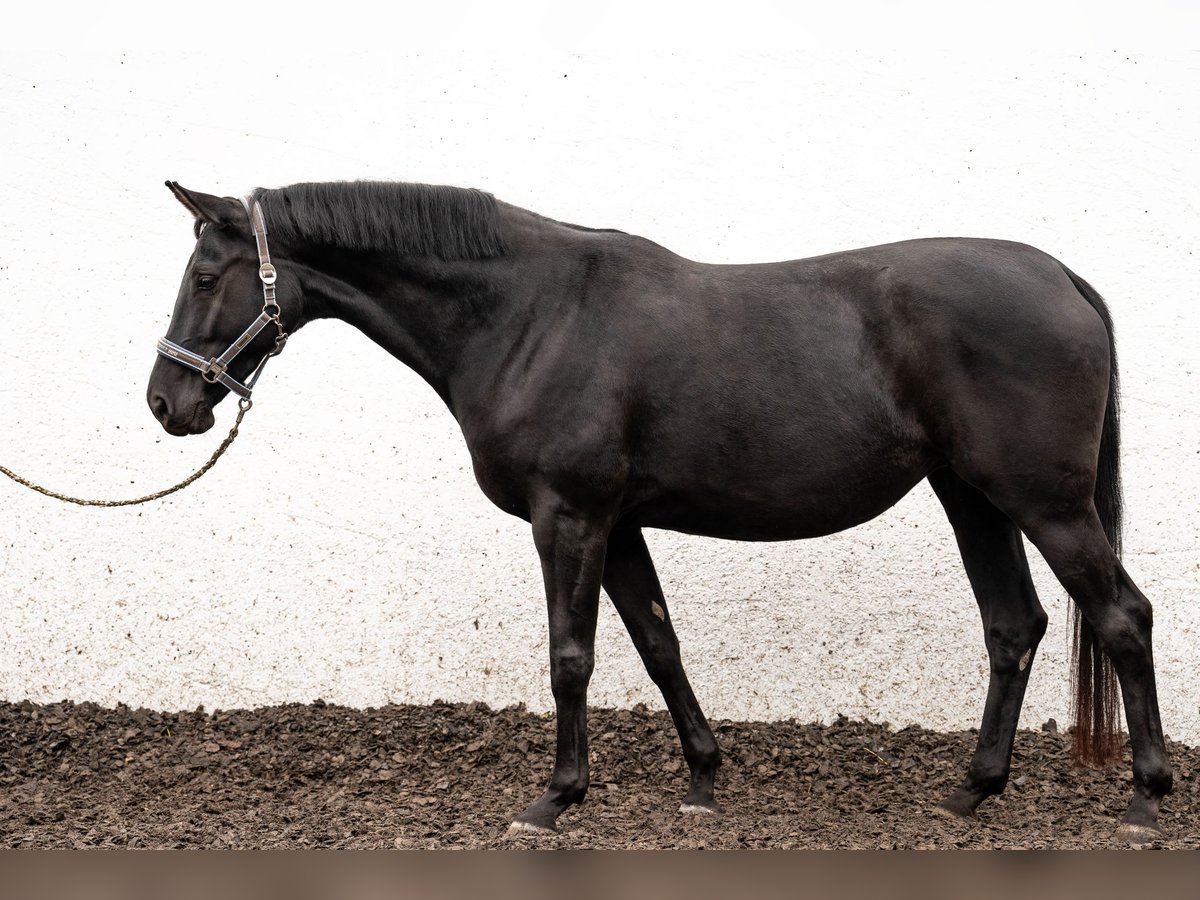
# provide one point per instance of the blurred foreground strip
(594, 875)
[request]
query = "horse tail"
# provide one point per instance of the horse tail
(1093, 679)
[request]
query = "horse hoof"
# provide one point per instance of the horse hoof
(700, 809)
(949, 812)
(1139, 834)
(520, 828)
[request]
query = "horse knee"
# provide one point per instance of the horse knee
(570, 669)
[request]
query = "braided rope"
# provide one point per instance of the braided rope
(243, 408)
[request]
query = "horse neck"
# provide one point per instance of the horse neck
(426, 312)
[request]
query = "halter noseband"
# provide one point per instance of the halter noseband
(216, 369)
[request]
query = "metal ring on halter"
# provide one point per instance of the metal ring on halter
(214, 372)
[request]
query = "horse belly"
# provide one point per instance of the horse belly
(819, 488)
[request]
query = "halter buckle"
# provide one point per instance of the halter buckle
(214, 371)
(267, 273)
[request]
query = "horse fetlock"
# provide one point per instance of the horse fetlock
(543, 813)
(568, 793)
(1153, 780)
(987, 782)
(978, 786)
(704, 760)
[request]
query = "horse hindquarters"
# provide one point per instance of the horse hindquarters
(1036, 431)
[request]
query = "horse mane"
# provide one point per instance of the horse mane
(410, 219)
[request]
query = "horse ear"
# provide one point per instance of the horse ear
(217, 211)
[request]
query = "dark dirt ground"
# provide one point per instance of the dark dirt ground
(78, 775)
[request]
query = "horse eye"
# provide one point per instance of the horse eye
(206, 282)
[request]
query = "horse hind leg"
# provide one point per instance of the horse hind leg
(1078, 552)
(1013, 624)
(632, 585)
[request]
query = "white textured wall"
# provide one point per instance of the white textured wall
(343, 551)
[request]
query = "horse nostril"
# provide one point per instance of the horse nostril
(158, 406)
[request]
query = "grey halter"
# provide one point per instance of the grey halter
(216, 370)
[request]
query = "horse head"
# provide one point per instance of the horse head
(228, 285)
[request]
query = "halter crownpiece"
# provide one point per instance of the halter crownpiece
(216, 369)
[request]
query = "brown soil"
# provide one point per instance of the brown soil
(77, 775)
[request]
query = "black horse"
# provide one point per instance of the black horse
(605, 385)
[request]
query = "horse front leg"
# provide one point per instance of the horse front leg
(572, 547)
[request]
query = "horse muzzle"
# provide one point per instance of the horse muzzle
(198, 421)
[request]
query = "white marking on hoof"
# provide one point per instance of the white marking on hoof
(1025, 658)
(528, 828)
(694, 809)
(658, 611)
(1138, 834)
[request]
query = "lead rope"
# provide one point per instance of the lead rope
(243, 408)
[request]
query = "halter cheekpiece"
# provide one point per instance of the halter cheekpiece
(216, 369)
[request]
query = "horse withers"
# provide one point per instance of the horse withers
(604, 385)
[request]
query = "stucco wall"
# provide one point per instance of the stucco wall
(343, 550)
